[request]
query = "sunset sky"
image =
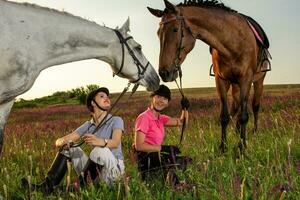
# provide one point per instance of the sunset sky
(279, 19)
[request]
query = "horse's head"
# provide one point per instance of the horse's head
(130, 61)
(176, 40)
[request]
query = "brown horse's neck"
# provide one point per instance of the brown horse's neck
(218, 28)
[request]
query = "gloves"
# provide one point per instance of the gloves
(170, 148)
(185, 103)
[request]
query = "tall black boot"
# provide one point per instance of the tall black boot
(90, 173)
(54, 176)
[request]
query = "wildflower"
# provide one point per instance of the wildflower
(289, 147)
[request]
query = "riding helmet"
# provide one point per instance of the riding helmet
(163, 91)
(92, 94)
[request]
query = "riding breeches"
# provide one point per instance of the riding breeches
(112, 168)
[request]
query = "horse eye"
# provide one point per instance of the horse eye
(175, 30)
(139, 48)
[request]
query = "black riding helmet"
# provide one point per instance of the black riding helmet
(90, 97)
(162, 91)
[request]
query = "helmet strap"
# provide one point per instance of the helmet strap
(99, 106)
(156, 109)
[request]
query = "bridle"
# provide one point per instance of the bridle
(183, 25)
(141, 68)
(180, 47)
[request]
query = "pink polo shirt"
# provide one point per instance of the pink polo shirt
(152, 127)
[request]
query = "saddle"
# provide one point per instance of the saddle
(263, 61)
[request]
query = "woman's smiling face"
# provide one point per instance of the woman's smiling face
(159, 102)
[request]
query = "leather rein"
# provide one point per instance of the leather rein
(141, 70)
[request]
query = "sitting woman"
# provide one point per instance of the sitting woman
(150, 133)
(106, 158)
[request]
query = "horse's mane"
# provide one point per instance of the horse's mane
(211, 3)
(49, 10)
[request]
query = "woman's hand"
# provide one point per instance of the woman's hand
(59, 142)
(92, 140)
(68, 139)
(185, 103)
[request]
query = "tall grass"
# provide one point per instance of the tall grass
(269, 169)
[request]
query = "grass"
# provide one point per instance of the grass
(269, 169)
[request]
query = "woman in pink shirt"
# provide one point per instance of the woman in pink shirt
(150, 132)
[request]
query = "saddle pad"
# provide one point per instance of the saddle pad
(259, 33)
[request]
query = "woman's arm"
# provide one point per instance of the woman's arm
(179, 121)
(112, 143)
(140, 145)
(65, 139)
(115, 140)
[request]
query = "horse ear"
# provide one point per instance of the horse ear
(156, 12)
(125, 27)
(170, 6)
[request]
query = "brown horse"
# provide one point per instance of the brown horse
(238, 58)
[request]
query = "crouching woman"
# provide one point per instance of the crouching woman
(152, 155)
(105, 161)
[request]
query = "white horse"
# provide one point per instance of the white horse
(33, 38)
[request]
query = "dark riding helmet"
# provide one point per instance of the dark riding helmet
(90, 97)
(163, 91)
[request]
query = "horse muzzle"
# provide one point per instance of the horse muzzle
(168, 76)
(150, 80)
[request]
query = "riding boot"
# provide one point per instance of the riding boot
(90, 174)
(54, 176)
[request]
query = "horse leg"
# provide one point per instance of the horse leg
(258, 90)
(245, 87)
(222, 89)
(4, 112)
(235, 105)
(235, 92)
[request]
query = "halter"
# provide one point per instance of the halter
(139, 65)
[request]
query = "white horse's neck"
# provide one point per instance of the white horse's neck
(57, 37)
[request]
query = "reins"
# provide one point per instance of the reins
(182, 95)
(141, 70)
(104, 120)
(178, 66)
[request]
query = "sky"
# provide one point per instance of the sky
(279, 19)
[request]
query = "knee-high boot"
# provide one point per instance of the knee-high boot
(54, 176)
(90, 173)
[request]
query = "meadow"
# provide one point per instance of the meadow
(269, 169)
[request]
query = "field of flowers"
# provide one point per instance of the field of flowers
(270, 168)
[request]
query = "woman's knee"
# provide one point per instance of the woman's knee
(100, 155)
